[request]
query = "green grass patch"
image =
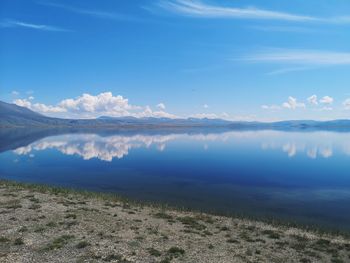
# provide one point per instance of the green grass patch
(113, 257)
(154, 252)
(34, 200)
(191, 222)
(163, 215)
(72, 216)
(34, 207)
(176, 251)
(51, 224)
(23, 229)
(13, 204)
(18, 241)
(4, 240)
(39, 229)
(232, 240)
(271, 234)
(59, 242)
(82, 244)
(337, 260)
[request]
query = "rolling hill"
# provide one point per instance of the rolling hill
(13, 116)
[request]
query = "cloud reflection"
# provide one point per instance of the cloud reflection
(89, 146)
(313, 145)
(107, 148)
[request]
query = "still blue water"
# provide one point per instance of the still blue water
(299, 176)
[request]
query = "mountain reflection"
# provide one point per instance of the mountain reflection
(117, 146)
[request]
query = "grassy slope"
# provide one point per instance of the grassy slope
(45, 224)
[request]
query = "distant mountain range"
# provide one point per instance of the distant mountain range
(13, 116)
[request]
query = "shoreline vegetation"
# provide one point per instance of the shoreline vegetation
(48, 224)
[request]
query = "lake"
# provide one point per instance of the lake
(295, 176)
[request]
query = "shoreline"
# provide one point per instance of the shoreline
(111, 196)
(50, 224)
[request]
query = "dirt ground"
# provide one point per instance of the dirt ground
(42, 224)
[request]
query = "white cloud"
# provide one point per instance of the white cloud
(23, 103)
(15, 23)
(90, 106)
(204, 115)
(38, 107)
(243, 118)
(14, 93)
(313, 100)
(42, 108)
(293, 104)
(161, 106)
(205, 106)
(200, 9)
(103, 102)
(148, 112)
(327, 100)
(225, 115)
(346, 104)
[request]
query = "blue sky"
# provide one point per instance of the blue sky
(234, 59)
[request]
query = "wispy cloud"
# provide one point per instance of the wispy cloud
(298, 59)
(301, 57)
(14, 93)
(284, 29)
(271, 107)
(199, 8)
(90, 12)
(291, 69)
(42, 27)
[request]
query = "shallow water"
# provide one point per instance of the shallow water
(298, 176)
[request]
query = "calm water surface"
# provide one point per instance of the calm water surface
(300, 176)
